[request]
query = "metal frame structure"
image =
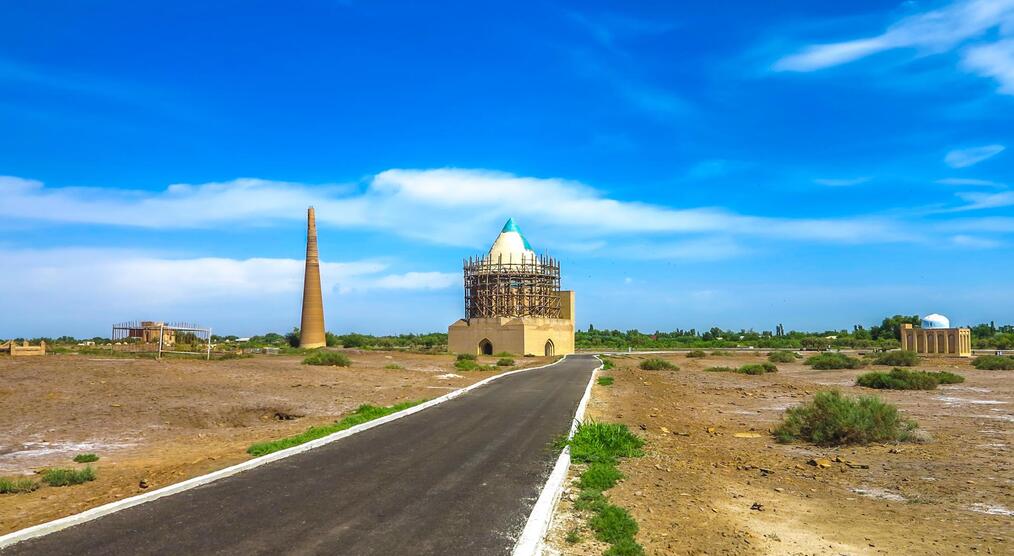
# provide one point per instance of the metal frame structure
(182, 333)
(529, 288)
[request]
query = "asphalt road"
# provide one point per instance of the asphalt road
(457, 478)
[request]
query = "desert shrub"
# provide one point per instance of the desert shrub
(17, 486)
(945, 377)
(65, 477)
(600, 476)
(832, 419)
(327, 358)
(721, 369)
(468, 365)
(505, 362)
(833, 361)
(605, 381)
(603, 442)
(465, 357)
(613, 524)
(994, 362)
(782, 357)
(392, 366)
(898, 379)
(86, 458)
(758, 368)
(697, 353)
(658, 365)
(902, 358)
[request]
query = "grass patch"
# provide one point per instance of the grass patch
(86, 458)
(697, 354)
(505, 362)
(590, 500)
(17, 486)
(607, 364)
(604, 442)
(825, 361)
(327, 358)
(897, 359)
(658, 365)
(392, 366)
(945, 377)
(903, 379)
(471, 365)
(749, 369)
(782, 357)
(994, 362)
(600, 476)
(465, 357)
(625, 547)
(613, 524)
(573, 537)
(605, 381)
(362, 414)
(59, 477)
(832, 419)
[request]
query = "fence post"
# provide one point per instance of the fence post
(161, 334)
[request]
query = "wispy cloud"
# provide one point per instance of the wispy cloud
(969, 182)
(974, 242)
(438, 206)
(962, 158)
(979, 201)
(930, 32)
(841, 182)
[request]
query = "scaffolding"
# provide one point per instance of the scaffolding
(528, 288)
(161, 337)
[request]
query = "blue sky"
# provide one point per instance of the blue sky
(737, 164)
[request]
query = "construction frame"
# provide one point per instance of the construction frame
(161, 337)
(529, 288)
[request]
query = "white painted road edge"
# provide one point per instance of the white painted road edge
(532, 539)
(112, 507)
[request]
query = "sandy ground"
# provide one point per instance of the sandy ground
(693, 490)
(163, 422)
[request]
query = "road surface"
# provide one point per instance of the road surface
(459, 478)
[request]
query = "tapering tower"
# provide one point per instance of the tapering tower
(311, 329)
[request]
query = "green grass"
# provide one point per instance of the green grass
(897, 359)
(782, 357)
(86, 458)
(590, 500)
(65, 477)
(362, 414)
(605, 381)
(658, 365)
(697, 353)
(328, 358)
(607, 364)
(573, 537)
(832, 419)
(17, 486)
(471, 365)
(898, 379)
(392, 366)
(505, 362)
(749, 369)
(603, 442)
(994, 362)
(625, 547)
(613, 524)
(600, 476)
(833, 361)
(466, 357)
(503, 354)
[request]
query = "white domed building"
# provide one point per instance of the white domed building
(935, 336)
(513, 302)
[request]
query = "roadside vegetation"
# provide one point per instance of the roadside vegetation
(994, 362)
(782, 357)
(505, 362)
(17, 486)
(657, 365)
(749, 369)
(897, 359)
(833, 419)
(86, 458)
(697, 353)
(825, 361)
(469, 362)
(66, 477)
(904, 379)
(601, 446)
(605, 381)
(327, 358)
(362, 414)
(607, 363)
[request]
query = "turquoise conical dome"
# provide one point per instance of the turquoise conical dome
(511, 246)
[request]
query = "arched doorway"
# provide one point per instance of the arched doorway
(550, 348)
(485, 347)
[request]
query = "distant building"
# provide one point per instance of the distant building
(936, 337)
(513, 302)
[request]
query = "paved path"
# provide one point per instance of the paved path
(459, 478)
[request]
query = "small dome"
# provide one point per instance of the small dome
(935, 321)
(511, 246)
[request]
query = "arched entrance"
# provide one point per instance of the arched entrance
(485, 347)
(550, 348)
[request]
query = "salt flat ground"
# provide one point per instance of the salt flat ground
(692, 492)
(164, 422)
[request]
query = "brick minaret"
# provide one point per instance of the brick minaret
(311, 330)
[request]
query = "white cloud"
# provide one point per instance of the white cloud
(438, 206)
(973, 242)
(930, 32)
(969, 181)
(962, 158)
(977, 201)
(841, 182)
